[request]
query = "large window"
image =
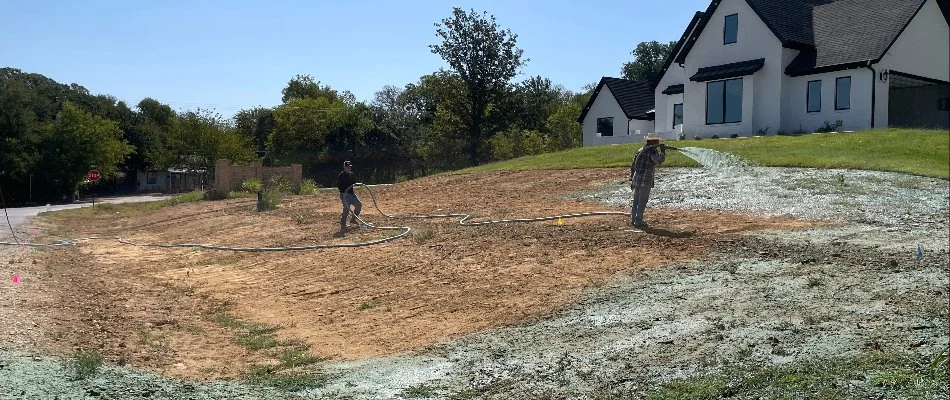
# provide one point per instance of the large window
(677, 114)
(843, 93)
(814, 96)
(730, 33)
(151, 177)
(605, 126)
(724, 101)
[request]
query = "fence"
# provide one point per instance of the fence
(228, 177)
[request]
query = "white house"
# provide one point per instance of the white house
(618, 111)
(750, 67)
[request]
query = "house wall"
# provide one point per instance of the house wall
(605, 105)
(923, 49)
(664, 102)
(754, 40)
(858, 117)
(160, 185)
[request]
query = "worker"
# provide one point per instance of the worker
(345, 182)
(641, 176)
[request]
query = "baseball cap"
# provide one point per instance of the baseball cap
(347, 163)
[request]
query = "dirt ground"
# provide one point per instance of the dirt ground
(155, 308)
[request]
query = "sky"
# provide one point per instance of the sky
(233, 55)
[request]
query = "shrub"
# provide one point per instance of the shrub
(715, 137)
(251, 185)
(277, 187)
(734, 135)
(515, 143)
(829, 127)
(682, 136)
(697, 137)
(308, 187)
(86, 363)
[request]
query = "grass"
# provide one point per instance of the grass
(291, 358)
(868, 376)
(416, 392)
(912, 151)
(85, 363)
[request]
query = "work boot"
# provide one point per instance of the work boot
(640, 224)
(353, 221)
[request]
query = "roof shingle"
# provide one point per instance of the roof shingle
(635, 98)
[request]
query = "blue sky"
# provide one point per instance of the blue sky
(231, 55)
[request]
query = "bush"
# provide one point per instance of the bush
(697, 137)
(715, 137)
(515, 143)
(275, 190)
(308, 187)
(86, 363)
(829, 127)
(682, 136)
(251, 185)
(734, 135)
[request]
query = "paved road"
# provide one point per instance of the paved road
(19, 216)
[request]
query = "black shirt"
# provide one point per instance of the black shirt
(345, 182)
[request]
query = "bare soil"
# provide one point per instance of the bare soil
(156, 308)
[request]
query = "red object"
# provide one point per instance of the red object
(93, 175)
(16, 279)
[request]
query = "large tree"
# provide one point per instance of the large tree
(486, 59)
(648, 59)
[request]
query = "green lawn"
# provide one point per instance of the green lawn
(918, 152)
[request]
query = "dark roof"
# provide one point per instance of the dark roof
(850, 33)
(679, 46)
(673, 89)
(634, 97)
(725, 71)
(832, 35)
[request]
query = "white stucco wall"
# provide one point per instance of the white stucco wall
(858, 117)
(923, 48)
(605, 105)
(664, 102)
(160, 185)
(761, 94)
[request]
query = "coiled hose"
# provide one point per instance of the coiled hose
(465, 220)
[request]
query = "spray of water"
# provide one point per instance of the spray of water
(715, 160)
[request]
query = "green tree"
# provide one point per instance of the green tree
(305, 87)
(199, 139)
(73, 143)
(648, 59)
(486, 59)
(256, 123)
(564, 132)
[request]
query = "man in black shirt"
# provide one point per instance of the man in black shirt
(345, 183)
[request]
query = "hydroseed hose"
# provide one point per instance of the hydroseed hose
(404, 230)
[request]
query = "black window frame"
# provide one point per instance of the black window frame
(151, 177)
(611, 120)
(725, 29)
(724, 103)
(674, 114)
(836, 93)
(808, 94)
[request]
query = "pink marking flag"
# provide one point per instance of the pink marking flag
(16, 279)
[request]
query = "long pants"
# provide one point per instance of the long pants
(348, 199)
(641, 194)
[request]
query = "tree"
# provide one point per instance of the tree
(199, 140)
(648, 60)
(256, 123)
(305, 87)
(486, 59)
(564, 130)
(73, 143)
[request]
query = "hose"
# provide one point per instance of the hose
(465, 220)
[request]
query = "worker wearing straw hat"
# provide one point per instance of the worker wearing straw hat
(641, 176)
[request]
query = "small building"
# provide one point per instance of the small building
(619, 111)
(171, 180)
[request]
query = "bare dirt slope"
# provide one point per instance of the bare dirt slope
(157, 308)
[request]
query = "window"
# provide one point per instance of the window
(724, 101)
(813, 99)
(605, 126)
(730, 34)
(843, 93)
(151, 177)
(677, 114)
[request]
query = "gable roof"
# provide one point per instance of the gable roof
(852, 33)
(634, 97)
(679, 46)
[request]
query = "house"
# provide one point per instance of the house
(750, 67)
(617, 111)
(171, 180)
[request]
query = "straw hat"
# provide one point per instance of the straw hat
(652, 136)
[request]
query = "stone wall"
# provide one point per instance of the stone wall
(228, 177)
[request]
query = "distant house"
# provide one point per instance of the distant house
(171, 180)
(618, 111)
(751, 67)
